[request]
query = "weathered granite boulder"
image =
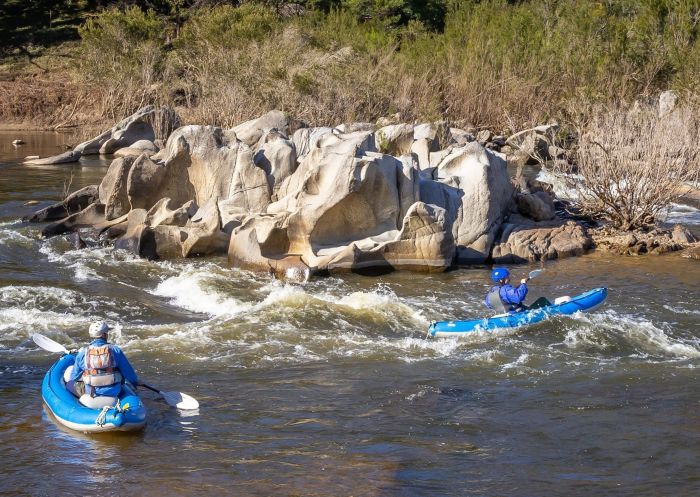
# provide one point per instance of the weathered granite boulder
(113, 188)
(144, 184)
(306, 139)
(166, 212)
(204, 162)
(527, 241)
(538, 206)
(86, 218)
(128, 131)
(64, 158)
(204, 234)
(395, 139)
(75, 202)
(135, 149)
(138, 237)
(276, 156)
(532, 145)
(474, 187)
(251, 131)
(340, 194)
(164, 233)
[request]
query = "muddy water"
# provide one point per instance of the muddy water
(330, 388)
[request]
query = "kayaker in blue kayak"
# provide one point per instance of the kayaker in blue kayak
(503, 297)
(100, 368)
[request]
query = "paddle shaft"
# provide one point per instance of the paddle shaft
(153, 389)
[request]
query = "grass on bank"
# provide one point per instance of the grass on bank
(490, 63)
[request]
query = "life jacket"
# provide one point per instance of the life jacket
(493, 300)
(100, 367)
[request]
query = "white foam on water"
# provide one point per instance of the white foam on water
(518, 363)
(679, 310)
(10, 236)
(680, 214)
(375, 304)
(605, 329)
(192, 290)
(34, 296)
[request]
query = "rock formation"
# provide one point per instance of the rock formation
(420, 197)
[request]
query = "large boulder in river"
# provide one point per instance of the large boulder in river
(346, 207)
(166, 212)
(92, 215)
(113, 188)
(474, 187)
(205, 162)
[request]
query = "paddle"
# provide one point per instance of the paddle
(176, 399)
(535, 273)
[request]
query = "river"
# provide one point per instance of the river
(330, 388)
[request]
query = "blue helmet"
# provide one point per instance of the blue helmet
(499, 273)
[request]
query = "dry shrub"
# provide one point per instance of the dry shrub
(49, 102)
(633, 163)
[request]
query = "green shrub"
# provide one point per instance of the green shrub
(120, 44)
(225, 26)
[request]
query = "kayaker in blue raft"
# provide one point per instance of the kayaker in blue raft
(503, 297)
(100, 368)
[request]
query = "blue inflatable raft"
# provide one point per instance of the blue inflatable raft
(129, 414)
(585, 302)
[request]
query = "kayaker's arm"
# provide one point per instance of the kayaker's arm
(124, 366)
(78, 365)
(514, 296)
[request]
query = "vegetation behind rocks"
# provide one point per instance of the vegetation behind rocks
(491, 63)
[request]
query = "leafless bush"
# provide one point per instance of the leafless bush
(633, 163)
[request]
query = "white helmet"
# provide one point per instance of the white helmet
(97, 329)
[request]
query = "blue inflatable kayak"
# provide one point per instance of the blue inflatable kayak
(585, 302)
(128, 414)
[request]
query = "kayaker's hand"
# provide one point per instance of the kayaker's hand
(524, 280)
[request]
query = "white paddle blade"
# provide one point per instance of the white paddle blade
(47, 344)
(180, 400)
(535, 273)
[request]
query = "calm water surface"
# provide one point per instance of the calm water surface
(330, 387)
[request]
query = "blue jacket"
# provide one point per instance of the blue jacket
(512, 298)
(122, 364)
